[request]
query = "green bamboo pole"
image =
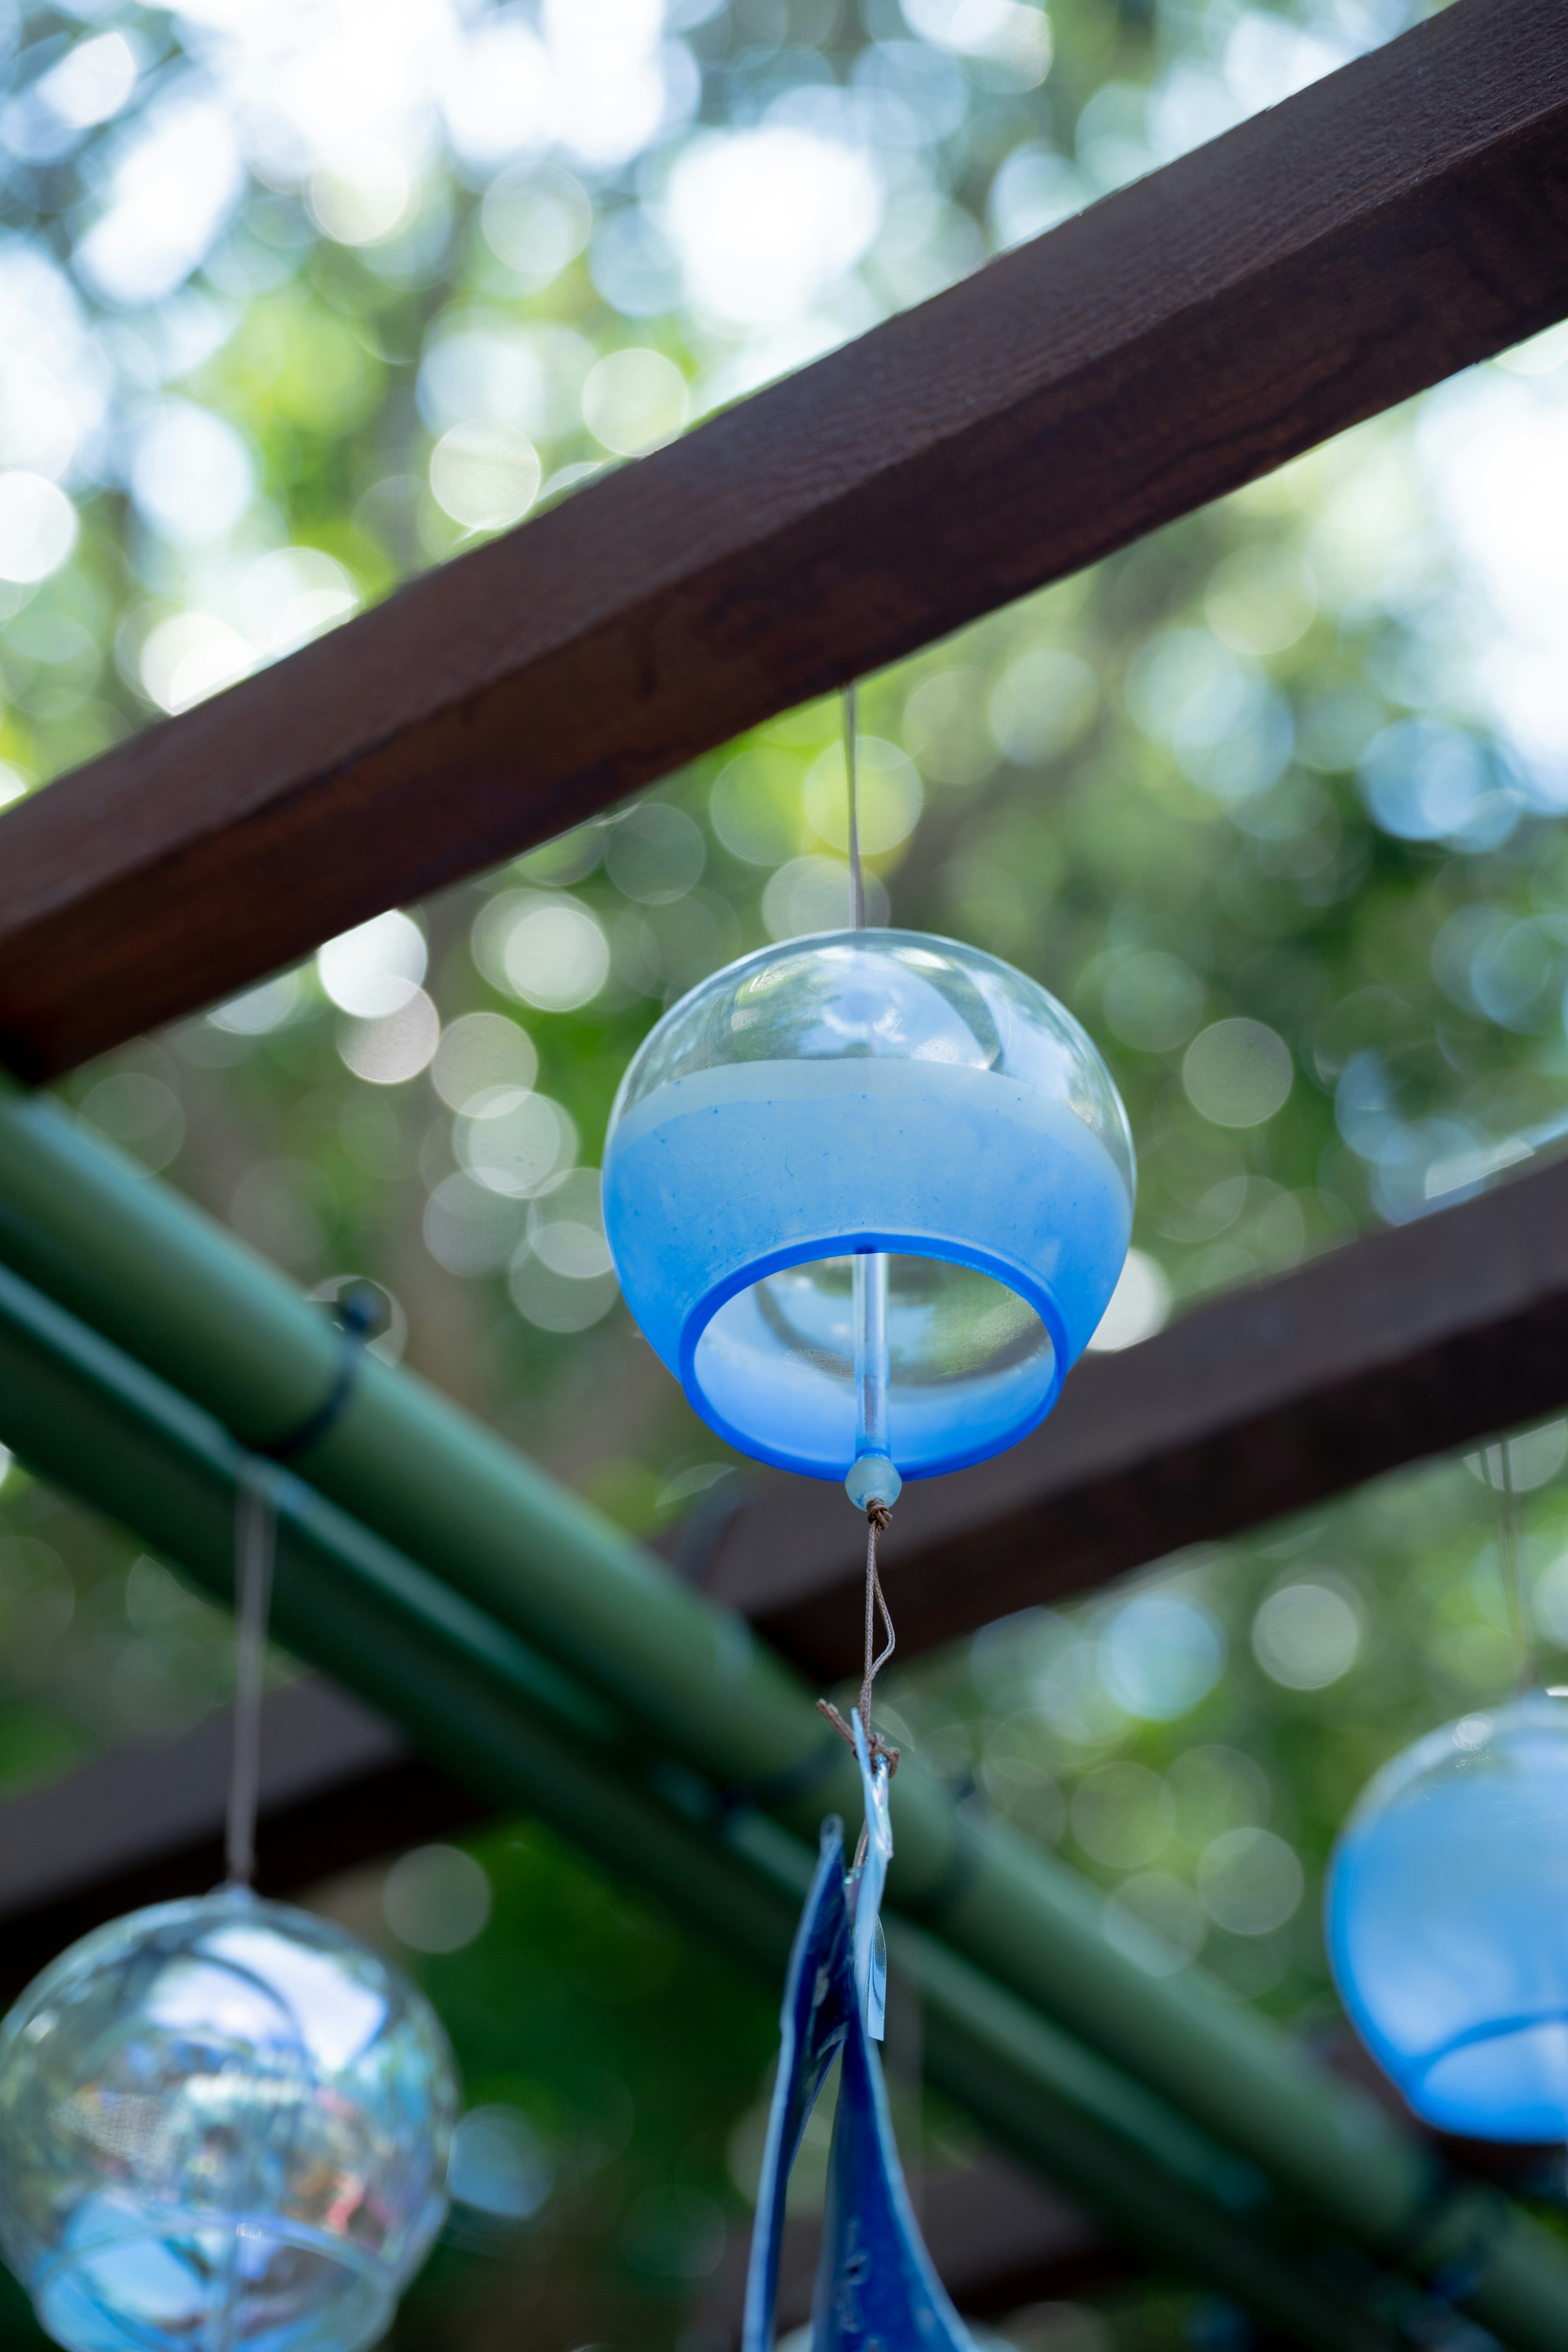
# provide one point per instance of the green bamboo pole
(83, 1413)
(167, 1285)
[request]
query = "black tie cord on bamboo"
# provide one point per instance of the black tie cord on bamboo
(360, 1316)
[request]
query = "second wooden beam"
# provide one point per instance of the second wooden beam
(1406, 1344)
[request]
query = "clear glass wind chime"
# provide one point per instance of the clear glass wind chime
(224, 2122)
(868, 1195)
(1447, 1897)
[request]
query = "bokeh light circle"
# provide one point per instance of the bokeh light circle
(1249, 1881)
(635, 401)
(1306, 1635)
(1237, 1073)
(485, 476)
(38, 527)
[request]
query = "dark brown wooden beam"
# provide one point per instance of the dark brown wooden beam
(1402, 218)
(1407, 1343)
(144, 1823)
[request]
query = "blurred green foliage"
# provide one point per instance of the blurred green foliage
(1246, 797)
(630, 2052)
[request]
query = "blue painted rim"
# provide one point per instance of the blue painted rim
(1413, 2080)
(1013, 1278)
(1410, 2071)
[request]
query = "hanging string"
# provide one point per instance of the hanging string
(878, 1519)
(852, 787)
(255, 1549)
(1498, 1463)
(870, 1273)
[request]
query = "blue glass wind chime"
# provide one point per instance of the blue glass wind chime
(867, 1194)
(1447, 1898)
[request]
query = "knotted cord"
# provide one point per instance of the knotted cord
(878, 1520)
(254, 1547)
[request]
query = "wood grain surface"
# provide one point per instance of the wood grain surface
(1407, 1343)
(1400, 219)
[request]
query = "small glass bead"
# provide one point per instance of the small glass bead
(873, 1479)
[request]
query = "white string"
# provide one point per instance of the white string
(852, 785)
(255, 1549)
(1499, 1462)
(870, 1331)
(875, 1659)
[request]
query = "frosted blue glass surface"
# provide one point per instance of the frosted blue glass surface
(223, 2123)
(868, 1091)
(1447, 1922)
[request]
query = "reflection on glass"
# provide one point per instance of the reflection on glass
(223, 2122)
(944, 1322)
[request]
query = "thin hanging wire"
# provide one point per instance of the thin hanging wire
(852, 786)
(871, 1292)
(1499, 1462)
(871, 1346)
(254, 1549)
(877, 1518)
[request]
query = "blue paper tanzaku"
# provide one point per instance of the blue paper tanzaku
(875, 2289)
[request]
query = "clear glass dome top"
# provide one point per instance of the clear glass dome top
(891, 996)
(1445, 1912)
(878, 1093)
(222, 2123)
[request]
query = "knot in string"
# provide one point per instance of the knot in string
(879, 1520)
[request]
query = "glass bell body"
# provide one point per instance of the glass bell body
(223, 2123)
(869, 1095)
(1447, 1903)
